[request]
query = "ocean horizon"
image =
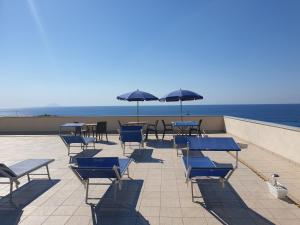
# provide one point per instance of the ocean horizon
(286, 114)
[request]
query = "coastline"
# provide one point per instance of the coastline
(285, 114)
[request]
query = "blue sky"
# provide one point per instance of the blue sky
(88, 52)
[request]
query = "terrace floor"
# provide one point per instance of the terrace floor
(156, 194)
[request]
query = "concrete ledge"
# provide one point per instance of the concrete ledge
(50, 125)
(278, 139)
(265, 123)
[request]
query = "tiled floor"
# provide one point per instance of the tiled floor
(155, 194)
(268, 164)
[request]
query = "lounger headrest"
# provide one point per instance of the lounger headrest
(6, 171)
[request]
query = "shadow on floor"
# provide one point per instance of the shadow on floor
(84, 154)
(106, 142)
(242, 145)
(10, 214)
(144, 155)
(226, 205)
(160, 143)
(120, 210)
(192, 153)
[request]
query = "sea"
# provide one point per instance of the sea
(286, 114)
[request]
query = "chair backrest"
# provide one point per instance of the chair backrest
(119, 122)
(163, 122)
(126, 127)
(6, 172)
(180, 140)
(101, 127)
(199, 124)
(77, 129)
(131, 135)
(98, 167)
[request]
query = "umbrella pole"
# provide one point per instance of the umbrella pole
(181, 110)
(137, 111)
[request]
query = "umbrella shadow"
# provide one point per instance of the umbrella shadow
(10, 214)
(84, 154)
(144, 156)
(119, 209)
(160, 143)
(225, 204)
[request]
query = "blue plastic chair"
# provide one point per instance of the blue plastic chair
(196, 167)
(112, 168)
(131, 134)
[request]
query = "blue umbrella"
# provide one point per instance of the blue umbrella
(181, 95)
(137, 96)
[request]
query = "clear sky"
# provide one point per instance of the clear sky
(70, 52)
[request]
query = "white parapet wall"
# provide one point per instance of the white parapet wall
(50, 125)
(279, 139)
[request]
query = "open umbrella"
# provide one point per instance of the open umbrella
(137, 96)
(181, 95)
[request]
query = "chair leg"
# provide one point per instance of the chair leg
(123, 147)
(28, 177)
(156, 134)
(10, 190)
(147, 132)
(106, 137)
(47, 168)
(115, 185)
(87, 191)
(163, 135)
(192, 187)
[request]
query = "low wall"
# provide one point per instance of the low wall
(50, 125)
(279, 139)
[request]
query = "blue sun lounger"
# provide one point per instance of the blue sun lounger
(181, 141)
(83, 141)
(196, 167)
(23, 168)
(112, 168)
(130, 134)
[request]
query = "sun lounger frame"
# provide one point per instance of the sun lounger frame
(212, 170)
(131, 136)
(83, 141)
(8, 172)
(116, 179)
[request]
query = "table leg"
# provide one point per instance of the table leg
(236, 159)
